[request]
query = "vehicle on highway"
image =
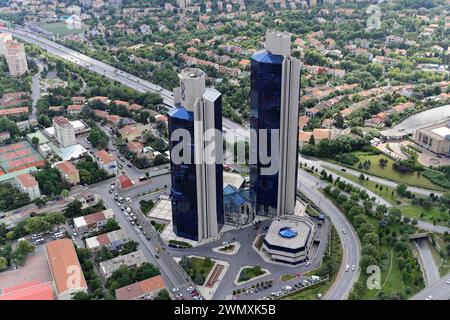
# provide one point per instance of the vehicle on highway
(142, 178)
(128, 199)
(448, 281)
(112, 186)
(343, 231)
(429, 298)
(156, 256)
(353, 268)
(347, 267)
(224, 243)
(128, 209)
(175, 289)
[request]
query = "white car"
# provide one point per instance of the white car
(224, 243)
(448, 281)
(343, 231)
(128, 209)
(347, 267)
(353, 268)
(429, 298)
(175, 290)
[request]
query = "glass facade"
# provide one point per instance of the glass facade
(219, 167)
(184, 188)
(265, 103)
(184, 180)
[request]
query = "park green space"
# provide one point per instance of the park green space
(60, 28)
(387, 172)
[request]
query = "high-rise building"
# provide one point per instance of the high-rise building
(274, 103)
(86, 3)
(64, 131)
(16, 58)
(183, 4)
(197, 182)
(4, 37)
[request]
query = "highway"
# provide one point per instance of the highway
(429, 266)
(439, 290)
(344, 282)
(307, 184)
(235, 130)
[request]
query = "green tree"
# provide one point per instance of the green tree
(163, 295)
(23, 249)
(35, 141)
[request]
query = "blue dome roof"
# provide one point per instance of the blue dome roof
(287, 232)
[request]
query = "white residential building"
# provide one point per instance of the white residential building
(64, 131)
(28, 184)
(16, 58)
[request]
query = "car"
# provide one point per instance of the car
(129, 165)
(448, 281)
(142, 178)
(307, 263)
(343, 231)
(39, 241)
(157, 256)
(175, 289)
(429, 298)
(128, 209)
(128, 199)
(122, 208)
(75, 234)
(353, 268)
(347, 267)
(225, 243)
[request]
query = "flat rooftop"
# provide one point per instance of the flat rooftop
(292, 232)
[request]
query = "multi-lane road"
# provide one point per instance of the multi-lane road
(439, 290)
(343, 285)
(308, 185)
(236, 131)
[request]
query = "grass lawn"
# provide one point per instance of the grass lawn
(310, 293)
(386, 193)
(61, 28)
(444, 266)
(250, 273)
(432, 214)
(200, 265)
(287, 277)
(389, 173)
(334, 252)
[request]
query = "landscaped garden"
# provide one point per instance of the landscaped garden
(249, 273)
(383, 167)
(197, 268)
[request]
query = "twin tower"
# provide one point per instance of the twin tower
(197, 185)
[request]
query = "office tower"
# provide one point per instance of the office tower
(197, 185)
(183, 4)
(86, 3)
(16, 58)
(64, 131)
(4, 37)
(274, 103)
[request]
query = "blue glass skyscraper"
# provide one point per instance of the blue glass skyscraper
(274, 103)
(197, 180)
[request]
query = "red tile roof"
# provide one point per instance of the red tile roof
(66, 167)
(140, 288)
(61, 121)
(104, 156)
(12, 111)
(62, 258)
(74, 107)
(32, 290)
(27, 180)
